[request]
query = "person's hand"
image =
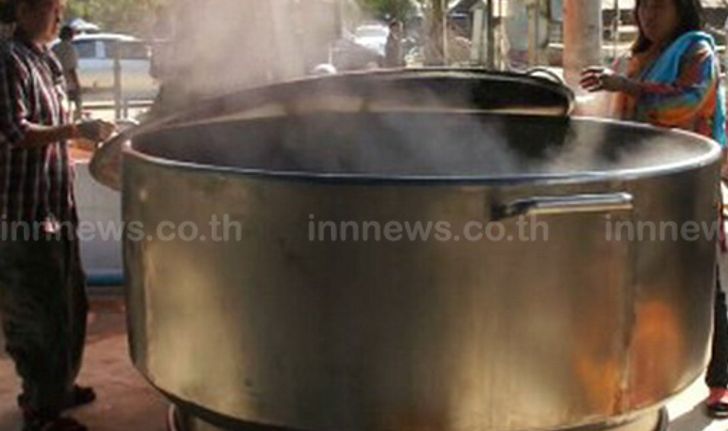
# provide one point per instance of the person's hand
(597, 78)
(95, 130)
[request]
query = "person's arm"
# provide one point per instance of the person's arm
(15, 128)
(630, 86)
(38, 136)
(676, 103)
(13, 107)
(670, 104)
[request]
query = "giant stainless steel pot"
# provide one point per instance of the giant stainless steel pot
(575, 324)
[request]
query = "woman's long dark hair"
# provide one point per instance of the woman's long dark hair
(690, 13)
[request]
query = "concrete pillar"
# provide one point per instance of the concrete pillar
(490, 37)
(582, 37)
(483, 37)
(533, 9)
(477, 49)
(288, 31)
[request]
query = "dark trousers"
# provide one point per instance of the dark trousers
(43, 306)
(717, 376)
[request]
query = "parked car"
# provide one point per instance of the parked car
(372, 36)
(347, 54)
(96, 64)
(81, 26)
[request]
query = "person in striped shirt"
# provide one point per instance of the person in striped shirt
(43, 301)
(672, 79)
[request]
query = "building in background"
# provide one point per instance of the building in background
(522, 40)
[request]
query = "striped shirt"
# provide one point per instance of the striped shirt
(35, 184)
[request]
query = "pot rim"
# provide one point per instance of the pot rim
(702, 160)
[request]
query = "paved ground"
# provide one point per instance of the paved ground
(126, 402)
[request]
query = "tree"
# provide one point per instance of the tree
(129, 16)
(435, 12)
(390, 9)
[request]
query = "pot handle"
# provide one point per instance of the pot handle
(105, 165)
(555, 205)
(536, 71)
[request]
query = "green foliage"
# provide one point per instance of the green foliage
(389, 9)
(129, 16)
(137, 16)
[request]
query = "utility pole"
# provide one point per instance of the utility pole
(615, 28)
(533, 8)
(445, 30)
(490, 19)
(582, 37)
(436, 31)
(289, 37)
(118, 93)
(483, 37)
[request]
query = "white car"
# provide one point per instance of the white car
(96, 64)
(373, 37)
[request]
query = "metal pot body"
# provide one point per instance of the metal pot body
(245, 302)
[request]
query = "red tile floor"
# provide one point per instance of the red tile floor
(125, 401)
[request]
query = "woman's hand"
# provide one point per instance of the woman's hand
(597, 78)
